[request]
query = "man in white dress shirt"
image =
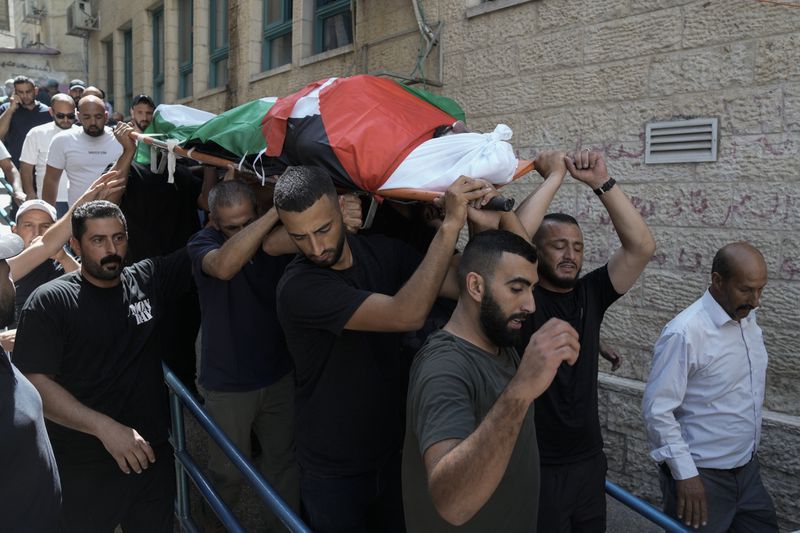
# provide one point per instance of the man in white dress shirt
(702, 404)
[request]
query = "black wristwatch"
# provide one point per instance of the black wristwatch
(604, 188)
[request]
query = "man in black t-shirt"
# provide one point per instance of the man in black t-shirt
(572, 496)
(89, 342)
(470, 461)
(343, 304)
(30, 490)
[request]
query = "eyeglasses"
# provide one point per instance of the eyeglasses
(62, 116)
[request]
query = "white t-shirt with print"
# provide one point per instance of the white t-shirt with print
(34, 152)
(83, 157)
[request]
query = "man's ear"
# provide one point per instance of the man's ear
(716, 280)
(476, 286)
(76, 246)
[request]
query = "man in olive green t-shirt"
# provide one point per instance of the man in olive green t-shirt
(470, 456)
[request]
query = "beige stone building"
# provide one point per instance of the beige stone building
(563, 74)
(34, 41)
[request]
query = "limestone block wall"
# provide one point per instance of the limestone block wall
(572, 74)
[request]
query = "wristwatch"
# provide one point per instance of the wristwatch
(604, 188)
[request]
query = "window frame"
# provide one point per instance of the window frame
(127, 78)
(216, 52)
(322, 13)
(273, 31)
(185, 68)
(157, 18)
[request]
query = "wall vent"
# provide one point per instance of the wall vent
(682, 141)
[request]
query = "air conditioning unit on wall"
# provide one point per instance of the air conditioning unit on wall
(32, 10)
(81, 19)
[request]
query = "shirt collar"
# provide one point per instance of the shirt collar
(715, 311)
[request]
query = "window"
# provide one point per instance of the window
(185, 45)
(127, 47)
(333, 24)
(109, 48)
(5, 21)
(158, 55)
(277, 49)
(218, 44)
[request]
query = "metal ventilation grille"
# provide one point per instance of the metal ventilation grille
(681, 141)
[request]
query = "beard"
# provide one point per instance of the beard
(142, 125)
(496, 325)
(547, 272)
(333, 254)
(93, 131)
(99, 269)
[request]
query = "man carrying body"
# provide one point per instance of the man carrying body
(342, 305)
(36, 147)
(245, 370)
(21, 113)
(81, 153)
(470, 456)
(142, 108)
(30, 490)
(572, 496)
(702, 403)
(89, 343)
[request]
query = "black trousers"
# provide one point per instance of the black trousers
(737, 500)
(572, 497)
(96, 497)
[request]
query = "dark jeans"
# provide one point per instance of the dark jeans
(737, 500)
(366, 503)
(572, 497)
(97, 497)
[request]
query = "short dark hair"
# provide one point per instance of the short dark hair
(21, 80)
(92, 210)
(300, 187)
(232, 192)
(558, 218)
(143, 99)
(484, 250)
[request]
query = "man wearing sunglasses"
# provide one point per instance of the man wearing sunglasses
(35, 148)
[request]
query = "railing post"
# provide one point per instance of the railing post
(179, 443)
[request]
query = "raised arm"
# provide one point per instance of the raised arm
(463, 474)
(126, 446)
(227, 260)
(551, 165)
(638, 245)
(5, 118)
(123, 163)
(407, 310)
(58, 234)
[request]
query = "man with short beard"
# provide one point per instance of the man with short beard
(142, 108)
(572, 496)
(342, 304)
(83, 153)
(470, 459)
(36, 147)
(21, 113)
(89, 342)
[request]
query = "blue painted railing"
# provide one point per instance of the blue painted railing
(186, 468)
(653, 514)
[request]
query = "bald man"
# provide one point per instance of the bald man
(702, 404)
(82, 153)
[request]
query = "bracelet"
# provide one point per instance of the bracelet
(604, 188)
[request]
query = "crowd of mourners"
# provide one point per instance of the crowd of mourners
(388, 380)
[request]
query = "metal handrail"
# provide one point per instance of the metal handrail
(645, 509)
(186, 468)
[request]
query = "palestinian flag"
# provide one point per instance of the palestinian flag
(360, 128)
(176, 122)
(235, 133)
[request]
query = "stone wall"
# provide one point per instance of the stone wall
(571, 74)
